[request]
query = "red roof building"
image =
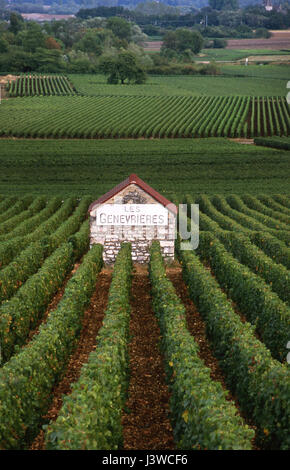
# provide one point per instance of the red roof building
(134, 179)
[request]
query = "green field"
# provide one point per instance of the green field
(62, 311)
(144, 116)
(96, 85)
(237, 54)
(176, 166)
(241, 102)
(263, 72)
(202, 339)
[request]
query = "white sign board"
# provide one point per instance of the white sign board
(131, 214)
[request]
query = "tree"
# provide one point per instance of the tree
(263, 33)
(122, 67)
(120, 27)
(183, 40)
(16, 23)
(31, 38)
(156, 9)
(90, 42)
(224, 4)
(3, 45)
(51, 43)
(219, 43)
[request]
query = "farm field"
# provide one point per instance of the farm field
(273, 83)
(192, 354)
(178, 166)
(254, 54)
(264, 72)
(139, 116)
(278, 42)
(235, 287)
(238, 103)
(31, 85)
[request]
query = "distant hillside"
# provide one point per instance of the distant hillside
(72, 6)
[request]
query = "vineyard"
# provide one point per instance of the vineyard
(37, 85)
(79, 166)
(216, 323)
(144, 117)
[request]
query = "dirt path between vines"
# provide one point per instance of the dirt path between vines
(146, 424)
(92, 321)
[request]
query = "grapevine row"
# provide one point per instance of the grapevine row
(97, 425)
(194, 395)
(260, 382)
(34, 85)
(27, 263)
(142, 116)
(253, 296)
(27, 379)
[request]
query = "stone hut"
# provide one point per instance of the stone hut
(136, 213)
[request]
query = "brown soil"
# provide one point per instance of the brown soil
(243, 141)
(278, 41)
(146, 423)
(92, 321)
(152, 46)
(44, 16)
(4, 79)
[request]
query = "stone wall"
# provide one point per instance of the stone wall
(140, 237)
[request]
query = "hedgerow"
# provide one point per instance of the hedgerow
(202, 416)
(90, 417)
(274, 142)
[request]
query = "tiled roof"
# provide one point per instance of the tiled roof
(134, 179)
